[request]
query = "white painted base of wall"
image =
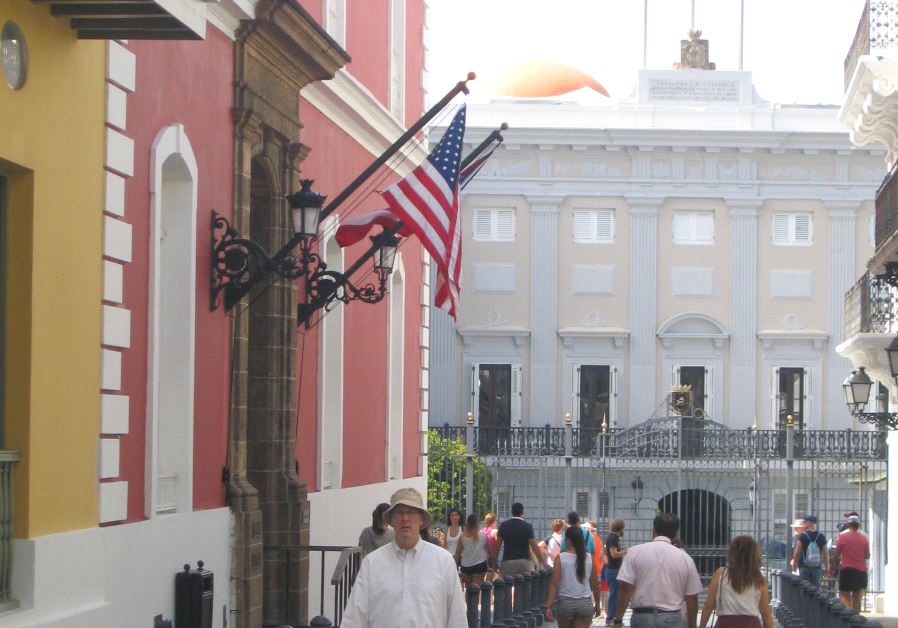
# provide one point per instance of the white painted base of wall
(117, 576)
(338, 517)
(891, 568)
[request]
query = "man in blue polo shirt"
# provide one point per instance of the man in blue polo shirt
(516, 536)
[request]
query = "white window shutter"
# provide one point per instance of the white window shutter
(475, 392)
(781, 228)
(802, 227)
(517, 378)
(482, 224)
(505, 224)
(575, 394)
(582, 226)
(604, 226)
(806, 400)
(704, 227)
(612, 397)
(682, 230)
(774, 397)
(675, 376)
(709, 393)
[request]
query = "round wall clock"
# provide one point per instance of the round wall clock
(13, 55)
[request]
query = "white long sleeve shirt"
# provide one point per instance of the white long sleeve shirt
(416, 588)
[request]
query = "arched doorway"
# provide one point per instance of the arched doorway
(704, 526)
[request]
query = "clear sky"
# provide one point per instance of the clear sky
(795, 49)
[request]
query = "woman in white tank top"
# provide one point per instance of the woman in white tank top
(738, 591)
(572, 585)
(453, 530)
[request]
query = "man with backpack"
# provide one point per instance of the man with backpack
(811, 555)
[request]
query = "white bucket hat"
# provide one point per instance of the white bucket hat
(411, 498)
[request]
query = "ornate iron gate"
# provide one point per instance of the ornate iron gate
(719, 482)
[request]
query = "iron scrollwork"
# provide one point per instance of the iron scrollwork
(238, 261)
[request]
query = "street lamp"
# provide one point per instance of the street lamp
(857, 391)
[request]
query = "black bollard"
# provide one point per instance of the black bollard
(320, 622)
(499, 593)
(535, 608)
(846, 614)
(509, 596)
(520, 600)
(486, 616)
(472, 599)
(833, 610)
(820, 607)
(527, 604)
(858, 620)
(544, 577)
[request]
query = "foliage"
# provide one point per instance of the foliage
(447, 476)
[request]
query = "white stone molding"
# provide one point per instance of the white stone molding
(115, 194)
(121, 66)
(113, 501)
(870, 108)
(111, 370)
(113, 281)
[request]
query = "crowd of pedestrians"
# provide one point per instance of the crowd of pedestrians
(406, 581)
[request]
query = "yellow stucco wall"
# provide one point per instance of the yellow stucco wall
(51, 149)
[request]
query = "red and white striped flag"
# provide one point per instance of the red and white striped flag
(427, 203)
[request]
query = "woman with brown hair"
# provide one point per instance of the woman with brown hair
(471, 554)
(573, 584)
(738, 591)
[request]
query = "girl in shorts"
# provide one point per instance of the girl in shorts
(471, 553)
(573, 583)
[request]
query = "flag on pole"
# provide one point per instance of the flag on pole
(427, 203)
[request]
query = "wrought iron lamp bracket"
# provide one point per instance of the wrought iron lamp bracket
(885, 420)
(325, 288)
(237, 261)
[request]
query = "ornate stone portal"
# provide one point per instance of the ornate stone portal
(276, 54)
(694, 53)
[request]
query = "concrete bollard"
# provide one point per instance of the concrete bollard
(486, 615)
(499, 594)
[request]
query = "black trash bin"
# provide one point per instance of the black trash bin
(194, 591)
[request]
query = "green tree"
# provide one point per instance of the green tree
(447, 476)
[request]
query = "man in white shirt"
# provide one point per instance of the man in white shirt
(657, 578)
(408, 583)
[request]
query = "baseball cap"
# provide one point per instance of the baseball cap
(810, 518)
(853, 519)
(851, 513)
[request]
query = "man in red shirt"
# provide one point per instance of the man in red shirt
(853, 550)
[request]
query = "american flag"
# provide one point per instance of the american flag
(427, 203)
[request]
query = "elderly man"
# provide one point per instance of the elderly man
(656, 578)
(408, 583)
(810, 555)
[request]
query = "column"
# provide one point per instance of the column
(742, 409)
(543, 309)
(442, 408)
(643, 305)
(842, 275)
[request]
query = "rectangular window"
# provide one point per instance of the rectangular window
(694, 376)
(583, 503)
(594, 395)
(494, 225)
(494, 398)
(594, 226)
(790, 396)
(693, 228)
(793, 229)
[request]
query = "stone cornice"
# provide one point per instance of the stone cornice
(353, 108)
(744, 206)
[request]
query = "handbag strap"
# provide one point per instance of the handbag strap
(723, 574)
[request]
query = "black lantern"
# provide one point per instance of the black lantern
(305, 206)
(892, 353)
(857, 391)
(637, 486)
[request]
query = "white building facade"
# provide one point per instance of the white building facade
(692, 234)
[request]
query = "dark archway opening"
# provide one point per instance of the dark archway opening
(704, 526)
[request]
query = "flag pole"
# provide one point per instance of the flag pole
(461, 86)
(242, 289)
(388, 232)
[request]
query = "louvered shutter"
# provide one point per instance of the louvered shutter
(475, 392)
(612, 396)
(781, 228)
(582, 226)
(704, 227)
(774, 398)
(604, 231)
(482, 224)
(504, 224)
(517, 380)
(708, 403)
(802, 227)
(575, 394)
(682, 230)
